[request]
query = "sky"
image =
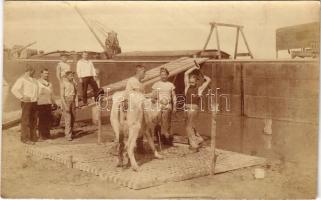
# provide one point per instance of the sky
(148, 26)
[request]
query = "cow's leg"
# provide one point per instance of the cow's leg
(149, 137)
(115, 120)
(132, 137)
(121, 150)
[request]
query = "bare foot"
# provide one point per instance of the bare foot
(135, 168)
(120, 163)
(157, 155)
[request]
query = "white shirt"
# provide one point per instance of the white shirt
(133, 84)
(63, 68)
(85, 68)
(45, 94)
(25, 86)
(164, 90)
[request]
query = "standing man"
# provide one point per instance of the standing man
(86, 73)
(134, 84)
(62, 67)
(45, 101)
(165, 92)
(26, 90)
(193, 93)
(68, 94)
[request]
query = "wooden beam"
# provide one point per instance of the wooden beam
(218, 42)
(236, 42)
(208, 38)
(246, 44)
(227, 25)
(213, 123)
(213, 141)
(99, 140)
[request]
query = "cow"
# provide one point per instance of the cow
(140, 117)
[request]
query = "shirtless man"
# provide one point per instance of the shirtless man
(194, 89)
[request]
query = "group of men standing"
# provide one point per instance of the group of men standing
(164, 92)
(37, 97)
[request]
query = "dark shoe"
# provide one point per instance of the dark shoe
(163, 139)
(41, 139)
(193, 149)
(140, 146)
(169, 140)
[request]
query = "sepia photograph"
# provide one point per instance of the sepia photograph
(160, 99)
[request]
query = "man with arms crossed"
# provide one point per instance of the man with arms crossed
(26, 90)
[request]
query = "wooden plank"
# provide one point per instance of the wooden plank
(179, 163)
(227, 25)
(152, 75)
(11, 119)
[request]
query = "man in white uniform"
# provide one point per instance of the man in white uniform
(86, 73)
(26, 90)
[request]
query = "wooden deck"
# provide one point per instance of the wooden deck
(179, 163)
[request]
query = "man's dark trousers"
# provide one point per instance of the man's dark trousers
(88, 81)
(45, 120)
(28, 121)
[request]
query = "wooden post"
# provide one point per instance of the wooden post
(99, 141)
(236, 41)
(208, 38)
(213, 125)
(213, 141)
(70, 162)
(218, 42)
(246, 44)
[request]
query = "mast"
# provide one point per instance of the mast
(90, 28)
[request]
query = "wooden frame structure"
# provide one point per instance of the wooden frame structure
(239, 29)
